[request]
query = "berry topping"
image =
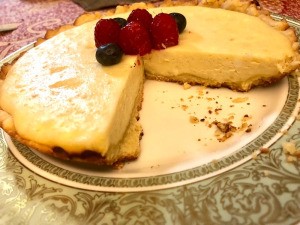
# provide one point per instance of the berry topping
(135, 39)
(121, 21)
(164, 31)
(142, 16)
(136, 35)
(109, 54)
(106, 31)
(180, 20)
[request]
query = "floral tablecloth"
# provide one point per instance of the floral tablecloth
(34, 18)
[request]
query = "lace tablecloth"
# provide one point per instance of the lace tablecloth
(36, 16)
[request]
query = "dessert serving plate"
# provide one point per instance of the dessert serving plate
(176, 150)
(210, 155)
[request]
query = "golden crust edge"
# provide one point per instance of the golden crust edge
(239, 87)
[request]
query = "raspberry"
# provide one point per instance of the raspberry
(135, 39)
(106, 31)
(164, 31)
(142, 16)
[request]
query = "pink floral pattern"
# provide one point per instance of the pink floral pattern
(34, 18)
(286, 7)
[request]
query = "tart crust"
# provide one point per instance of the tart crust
(134, 131)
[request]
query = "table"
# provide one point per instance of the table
(265, 190)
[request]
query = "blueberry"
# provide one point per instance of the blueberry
(109, 54)
(180, 20)
(121, 21)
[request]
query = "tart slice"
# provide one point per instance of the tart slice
(58, 99)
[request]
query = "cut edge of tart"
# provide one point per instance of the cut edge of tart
(130, 142)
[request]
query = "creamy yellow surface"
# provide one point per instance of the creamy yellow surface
(59, 95)
(222, 45)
